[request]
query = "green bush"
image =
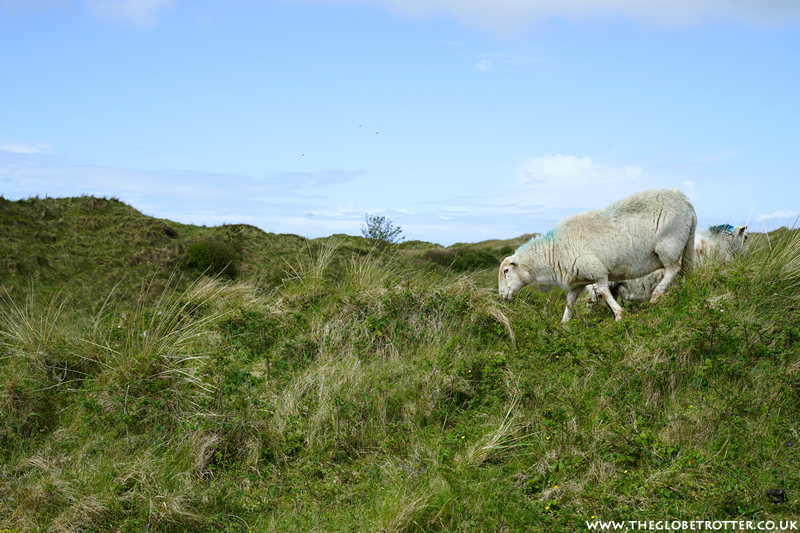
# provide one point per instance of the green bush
(381, 231)
(213, 256)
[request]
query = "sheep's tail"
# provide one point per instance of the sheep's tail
(688, 250)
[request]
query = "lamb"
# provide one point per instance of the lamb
(629, 290)
(629, 239)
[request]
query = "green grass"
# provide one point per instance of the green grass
(344, 388)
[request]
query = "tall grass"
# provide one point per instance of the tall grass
(362, 394)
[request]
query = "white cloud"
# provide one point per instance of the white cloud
(269, 202)
(27, 176)
(787, 215)
(569, 172)
(510, 15)
(483, 64)
(22, 148)
(140, 13)
(497, 15)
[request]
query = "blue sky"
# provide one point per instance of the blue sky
(460, 120)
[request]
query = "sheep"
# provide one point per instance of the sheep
(722, 242)
(628, 239)
(629, 290)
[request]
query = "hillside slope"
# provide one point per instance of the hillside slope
(388, 392)
(89, 245)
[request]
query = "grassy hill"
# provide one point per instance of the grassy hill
(86, 246)
(329, 387)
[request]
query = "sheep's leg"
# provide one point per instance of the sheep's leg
(572, 297)
(605, 292)
(592, 294)
(670, 274)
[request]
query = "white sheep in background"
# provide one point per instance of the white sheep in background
(629, 239)
(721, 242)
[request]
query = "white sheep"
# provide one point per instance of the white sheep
(722, 242)
(629, 239)
(629, 290)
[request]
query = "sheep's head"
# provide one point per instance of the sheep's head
(740, 245)
(509, 278)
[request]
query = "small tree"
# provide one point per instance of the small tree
(380, 230)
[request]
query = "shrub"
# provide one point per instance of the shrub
(381, 231)
(214, 257)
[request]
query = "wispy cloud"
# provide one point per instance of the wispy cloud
(570, 172)
(483, 64)
(267, 201)
(722, 156)
(66, 180)
(300, 181)
(539, 192)
(780, 214)
(512, 15)
(141, 13)
(497, 15)
(534, 195)
(23, 148)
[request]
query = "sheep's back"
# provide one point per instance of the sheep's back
(624, 236)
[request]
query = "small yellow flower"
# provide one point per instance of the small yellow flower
(548, 438)
(555, 487)
(547, 508)
(625, 472)
(592, 516)
(464, 437)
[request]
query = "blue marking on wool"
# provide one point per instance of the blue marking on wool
(721, 228)
(549, 236)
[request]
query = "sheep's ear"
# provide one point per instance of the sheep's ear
(743, 229)
(513, 263)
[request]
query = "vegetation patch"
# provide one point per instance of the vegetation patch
(361, 391)
(463, 259)
(213, 257)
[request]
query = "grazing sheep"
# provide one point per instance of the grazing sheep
(722, 242)
(629, 239)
